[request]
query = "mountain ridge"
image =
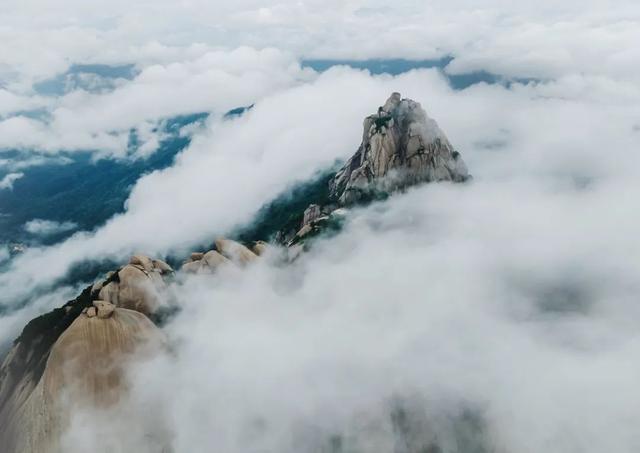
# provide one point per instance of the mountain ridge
(401, 147)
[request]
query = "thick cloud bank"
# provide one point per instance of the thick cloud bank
(495, 316)
(469, 317)
(210, 81)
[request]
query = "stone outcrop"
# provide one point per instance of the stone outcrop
(226, 251)
(235, 251)
(85, 369)
(204, 263)
(316, 225)
(401, 146)
(104, 309)
(260, 248)
(138, 285)
(312, 213)
(73, 357)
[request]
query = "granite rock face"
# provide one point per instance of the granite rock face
(73, 356)
(226, 251)
(235, 251)
(204, 263)
(85, 370)
(138, 285)
(401, 146)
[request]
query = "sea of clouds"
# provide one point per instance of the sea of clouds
(497, 320)
(512, 298)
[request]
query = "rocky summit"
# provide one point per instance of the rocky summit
(73, 357)
(401, 146)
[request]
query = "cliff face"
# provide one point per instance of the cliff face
(84, 370)
(73, 356)
(401, 146)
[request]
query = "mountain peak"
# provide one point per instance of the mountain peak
(401, 146)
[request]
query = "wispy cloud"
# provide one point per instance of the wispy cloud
(41, 227)
(8, 180)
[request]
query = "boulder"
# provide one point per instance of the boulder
(104, 309)
(138, 290)
(235, 251)
(205, 263)
(142, 261)
(260, 248)
(197, 256)
(213, 260)
(162, 267)
(135, 288)
(192, 267)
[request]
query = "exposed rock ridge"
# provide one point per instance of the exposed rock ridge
(85, 369)
(79, 348)
(118, 308)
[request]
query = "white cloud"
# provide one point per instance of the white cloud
(41, 227)
(187, 64)
(8, 180)
(32, 160)
(11, 102)
(518, 304)
(215, 81)
(542, 134)
(519, 38)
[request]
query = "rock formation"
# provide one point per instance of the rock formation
(73, 356)
(312, 213)
(401, 146)
(235, 251)
(137, 286)
(204, 263)
(260, 248)
(85, 370)
(226, 251)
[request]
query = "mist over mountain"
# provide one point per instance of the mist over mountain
(304, 226)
